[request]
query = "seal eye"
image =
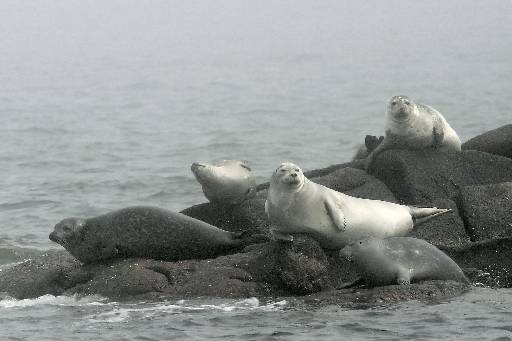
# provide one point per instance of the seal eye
(360, 243)
(393, 103)
(283, 170)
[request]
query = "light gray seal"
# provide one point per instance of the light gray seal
(401, 260)
(146, 232)
(227, 182)
(412, 125)
(297, 205)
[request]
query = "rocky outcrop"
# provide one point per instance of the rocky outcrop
(421, 177)
(357, 183)
(51, 273)
(497, 141)
(477, 186)
(488, 262)
(487, 210)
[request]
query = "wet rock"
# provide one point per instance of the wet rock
(445, 230)
(497, 141)
(487, 210)
(489, 261)
(51, 273)
(357, 183)
(421, 177)
(299, 267)
(427, 291)
(249, 216)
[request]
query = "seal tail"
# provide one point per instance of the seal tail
(421, 215)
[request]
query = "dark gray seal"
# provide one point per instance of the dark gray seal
(401, 260)
(146, 232)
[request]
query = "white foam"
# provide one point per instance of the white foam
(122, 314)
(52, 300)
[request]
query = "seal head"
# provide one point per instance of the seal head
(67, 231)
(401, 110)
(228, 182)
(288, 176)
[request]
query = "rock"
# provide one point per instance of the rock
(299, 267)
(51, 273)
(427, 291)
(248, 216)
(421, 177)
(357, 183)
(487, 210)
(497, 141)
(445, 230)
(492, 260)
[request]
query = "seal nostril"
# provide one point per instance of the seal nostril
(294, 175)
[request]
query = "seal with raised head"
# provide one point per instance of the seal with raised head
(297, 205)
(412, 125)
(401, 260)
(146, 232)
(227, 182)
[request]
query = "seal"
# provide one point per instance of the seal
(412, 125)
(228, 182)
(297, 205)
(401, 260)
(147, 232)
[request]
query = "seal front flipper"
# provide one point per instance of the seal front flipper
(403, 276)
(336, 215)
(437, 130)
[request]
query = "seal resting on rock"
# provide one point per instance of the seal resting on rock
(297, 205)
(412, 125)
(401, 260)
(146, 232)
(228, 182)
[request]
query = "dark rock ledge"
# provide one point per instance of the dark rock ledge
(476, 234)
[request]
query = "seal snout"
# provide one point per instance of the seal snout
(54, 238)
(196, 166)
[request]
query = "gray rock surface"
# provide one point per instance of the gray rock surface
(51, 273)
(488, 262)
(357, 183)
(421, 177)
(487, 210)
(497, 141)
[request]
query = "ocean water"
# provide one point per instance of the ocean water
(106, 104)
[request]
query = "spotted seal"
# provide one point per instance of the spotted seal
(146, 232)
(228, 182)
(297, 205)
(412, 125)
(401, 260)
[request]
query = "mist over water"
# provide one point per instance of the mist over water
(105, 104)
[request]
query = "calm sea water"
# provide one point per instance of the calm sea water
(106, 104)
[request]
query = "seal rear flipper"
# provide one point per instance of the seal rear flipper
(421, 215)
(336, 215)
